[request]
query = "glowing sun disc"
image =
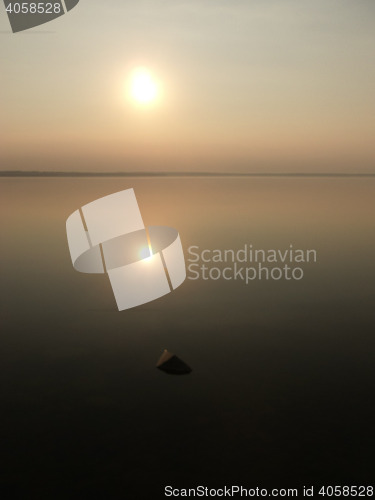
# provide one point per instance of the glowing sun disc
(143, 87)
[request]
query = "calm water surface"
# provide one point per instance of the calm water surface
(282, 388)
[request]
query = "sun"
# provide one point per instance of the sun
(144, 89)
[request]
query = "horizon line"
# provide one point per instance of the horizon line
(35, 173)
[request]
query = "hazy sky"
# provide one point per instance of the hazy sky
(246, 85)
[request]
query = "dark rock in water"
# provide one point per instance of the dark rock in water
(171, 364)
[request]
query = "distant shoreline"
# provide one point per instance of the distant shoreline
(18, 173)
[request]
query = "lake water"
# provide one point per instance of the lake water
(282, 388)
